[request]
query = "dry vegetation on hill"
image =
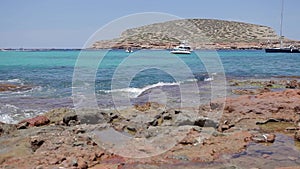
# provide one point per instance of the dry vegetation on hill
(200, 33)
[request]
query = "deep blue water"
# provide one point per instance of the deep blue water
(50, 74)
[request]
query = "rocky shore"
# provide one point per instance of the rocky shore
(255, 130)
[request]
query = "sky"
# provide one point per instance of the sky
(70, 23)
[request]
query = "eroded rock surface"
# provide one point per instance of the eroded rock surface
(64, 137)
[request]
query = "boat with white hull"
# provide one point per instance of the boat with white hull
(182, 49)
(281, 49)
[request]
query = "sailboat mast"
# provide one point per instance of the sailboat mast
(281, 23)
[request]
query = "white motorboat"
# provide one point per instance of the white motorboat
(182, 49)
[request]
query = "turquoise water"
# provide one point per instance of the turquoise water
(50, 74)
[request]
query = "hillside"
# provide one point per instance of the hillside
(200, 33)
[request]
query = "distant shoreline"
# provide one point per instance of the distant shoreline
(45, 50)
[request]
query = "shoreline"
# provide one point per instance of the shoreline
(226, 48)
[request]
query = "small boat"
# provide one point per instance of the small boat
(129, 50)
(290, 49)
(281, 49)
(182, 49)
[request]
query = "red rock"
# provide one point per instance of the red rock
(291, 167)
(82, 164)
(93, 157)
(266, 156)
(36, 121)
(190, 138)
(106, 166)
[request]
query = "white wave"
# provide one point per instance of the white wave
(5, 118)
(12, 81)
(208, 79)
(12, 114)
(23, 93)
(211, 77)
(7, 111)
(135, 92)
(188, 80)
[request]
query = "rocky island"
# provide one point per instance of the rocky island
(199, 33)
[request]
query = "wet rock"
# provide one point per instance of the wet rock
(36, 121)
(13, 87)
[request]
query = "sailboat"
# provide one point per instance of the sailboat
(281, 49)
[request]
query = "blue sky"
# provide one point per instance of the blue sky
(69, 23)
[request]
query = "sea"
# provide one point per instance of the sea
(114, 79)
